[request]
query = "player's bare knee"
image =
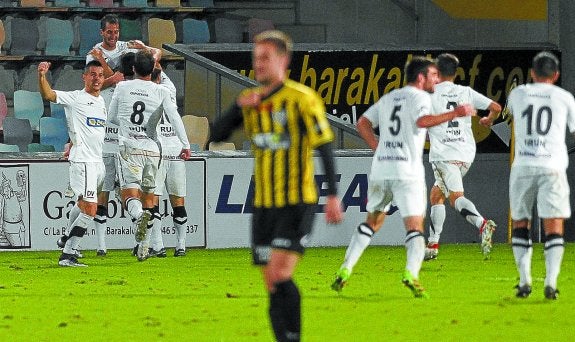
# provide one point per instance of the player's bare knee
(436, 196)
(453, 197)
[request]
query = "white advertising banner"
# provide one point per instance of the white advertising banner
(34, 209)
(230, 192)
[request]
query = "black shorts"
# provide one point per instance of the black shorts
(280, 228)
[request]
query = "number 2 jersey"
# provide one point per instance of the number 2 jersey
(400, 148)
(541, 114)
(453, 140)
(134, 109)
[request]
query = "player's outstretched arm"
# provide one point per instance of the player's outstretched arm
(494, 111)
(365, 130)
(45, 89)
(434, 120)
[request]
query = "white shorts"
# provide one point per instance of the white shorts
(549, 188)
(171, 176)
(449, 175)
(138, 169)
(410, 196)
(111, 176)
(86, 179)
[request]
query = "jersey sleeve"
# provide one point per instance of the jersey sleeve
(371, 113)
(422, 105)
(571, 113)
(113, 109)
(65, 98)
(171, 110)
(317, 125)
(479, 100)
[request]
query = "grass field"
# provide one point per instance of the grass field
(215, 295)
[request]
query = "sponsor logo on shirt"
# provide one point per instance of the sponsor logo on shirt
(95, 122)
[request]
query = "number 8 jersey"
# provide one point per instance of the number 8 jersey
(400, 148)
(133, 108)
(541, 114)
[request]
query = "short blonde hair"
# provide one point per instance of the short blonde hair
(282, 41)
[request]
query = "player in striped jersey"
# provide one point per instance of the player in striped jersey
(542, 112)
(285, 122)
(452, 152)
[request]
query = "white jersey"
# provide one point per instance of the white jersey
(400, 149)
(86, 117)
(453, 140)
(541, 114)
(111, 137)
(134, 109)
(171, 144)
(112, 57)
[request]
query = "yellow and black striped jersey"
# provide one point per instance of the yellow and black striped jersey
(285, 129)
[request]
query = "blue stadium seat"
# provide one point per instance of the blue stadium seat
(35, 147)
(135, 4)
(59, 37)
(30, 106)
(7, 81)
(57, 111)
(67, 3)
(195, 31)
(53, 131)
(18, 132)
(67, 78)
(89, 30)
(130, 29)
(9, 148)
(28, 78)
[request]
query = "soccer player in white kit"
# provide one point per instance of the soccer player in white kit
(397, 171)
(452, 152)
(85, 112)
(169, 177)
(137, 107)
(542, 112)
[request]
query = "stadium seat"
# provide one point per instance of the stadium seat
(57, 111)
(35, 147)
(221, 146)
(134, 4)
(3, 109)
(24, 37)
(9, 148)
(201, 3)
(53, 131)
(130, 29)
(197, 130)
(7, 82)
(67, 78)
(257, 25)
(161, 31)
(18, 132)
(30, 106)
(194, 31)
(167, 3)
(59, 37)
(89, 30)
(28, 78)
(228, 30)
(6, 3)
(100, 3)
(67, 3)
(32, 3)
(2, 35)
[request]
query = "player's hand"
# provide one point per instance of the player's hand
(97, 54)
(250, 99)
(67, 148)
(486, 121)
(116, 78)
(43, 68)
(465, 110)
(333, 210)
(185, 154)
(136, 44)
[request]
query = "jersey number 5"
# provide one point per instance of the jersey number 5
(396, 126)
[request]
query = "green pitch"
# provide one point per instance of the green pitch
(216, 295)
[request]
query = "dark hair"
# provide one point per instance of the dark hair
(282, 41)
(545, 64)
(447, 64)
(91, 64)
(144, 63)
(417, 65)
(156, 74)
(127, 62)
(109, 19)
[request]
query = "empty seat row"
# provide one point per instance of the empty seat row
(53, 132)
(106, 3)
(51, 36)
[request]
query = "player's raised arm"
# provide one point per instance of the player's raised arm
(45, 89)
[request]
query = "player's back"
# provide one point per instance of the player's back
(135, 103)
(400, 149)
(541, 113)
